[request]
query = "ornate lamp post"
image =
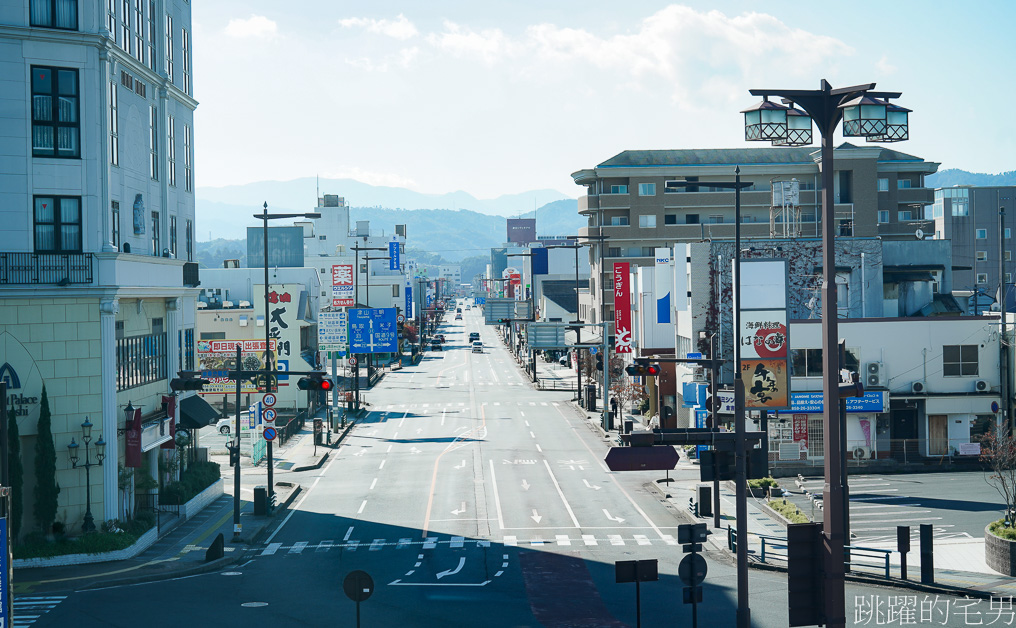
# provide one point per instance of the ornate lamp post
(865, 113)
(72, 450)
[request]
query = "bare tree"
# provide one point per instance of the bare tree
(998, 450)
(627, 392)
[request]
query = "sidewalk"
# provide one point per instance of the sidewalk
(181, 552)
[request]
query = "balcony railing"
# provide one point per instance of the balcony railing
(45, 268)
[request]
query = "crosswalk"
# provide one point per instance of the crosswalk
(452, 405)
(27, 609)
(457, 542)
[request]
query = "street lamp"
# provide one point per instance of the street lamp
(72, 450)
(865, 113)
(577, 321)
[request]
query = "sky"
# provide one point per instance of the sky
(493, 97)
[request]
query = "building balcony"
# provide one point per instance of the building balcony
(588, 203)
(127, 269)
(60, 269)
(915, 196)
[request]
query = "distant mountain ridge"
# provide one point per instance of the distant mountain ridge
(954, 176)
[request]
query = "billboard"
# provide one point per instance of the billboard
(662, 283)
(393, 256)
(763, 335)
(285, 247)
(342, 285)
(521, 230)
(219, 356)
(622, 308)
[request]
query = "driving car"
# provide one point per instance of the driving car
(436, 346)
(458, 317)
(477, 346)
(474, 335)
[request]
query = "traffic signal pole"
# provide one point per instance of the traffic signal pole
(236, 455)
(714, 412)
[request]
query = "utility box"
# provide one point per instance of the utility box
(590, 398)
(260, 501)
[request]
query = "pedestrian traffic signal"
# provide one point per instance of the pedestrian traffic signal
(643, 370)
(315, 382)
(188, 380)
(599, 362)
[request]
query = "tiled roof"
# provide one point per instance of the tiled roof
(732, 156)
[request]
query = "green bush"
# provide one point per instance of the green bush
(36, 545)
(762, 483)
(195, 479)
(789, 511)
(998, 529)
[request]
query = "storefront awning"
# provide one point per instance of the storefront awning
(195, 413)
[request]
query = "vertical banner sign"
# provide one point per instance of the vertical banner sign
(622, 308)
(133, 442)
(342, 285)
(539, 261)
(662, 282)
(679, 298)
(409, 301)
(393, 256)
(763, 334)
(801, 430)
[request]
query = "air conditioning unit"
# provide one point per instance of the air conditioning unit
(698, 374)
(918, 387)
(982, 386)
(862, 453)
(227, 304)
(874, 374)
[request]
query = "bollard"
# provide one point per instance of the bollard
(903, 546)
(927, 555)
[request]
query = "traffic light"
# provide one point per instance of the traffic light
(188, 380)
(599, 361)
(504, 321)
(643, 370)
(315, 382)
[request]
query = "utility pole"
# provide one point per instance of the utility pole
(1003, 289)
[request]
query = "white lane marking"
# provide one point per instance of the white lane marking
(456, 542)
(537, 517)
(527, 423)
(539, 449)
(510, 541)
(362, 505)
(298, 547)
(615, 539)
(669, 539)
(297, 507)
(538, 542)
(882, 514)
(531, 434)
(498, 573)
(389, 450)
(525, 485)
(461, 465)
(404, 415)
(589, 539)
(615, 519)
(348, 533)
(271, 549)
(324, 546)
(451, 572)
(592, 486)
(562, 539)
(461, 509)
(381, 466)
(853, 529)
(373, 484)
(641, 539)
(561, 494)
(376, 545)
(497, 499)
(522, 413)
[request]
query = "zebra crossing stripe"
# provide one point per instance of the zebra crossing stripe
(669, 539)
(510, 541)
(271, 549)
(615, 539)
(562, 539)
(641, 539)
(403, 542)
(376, 545)
(324, 546)
(298, 547)
(456, 542)
(430, 542)
(589, 539)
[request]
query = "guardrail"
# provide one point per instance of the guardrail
(293, 426)
(258, 451)
(45, 268)
(555, 384)
(774, 549)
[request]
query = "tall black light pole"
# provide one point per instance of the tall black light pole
(264, 216)
(865, 113)
(72, 450)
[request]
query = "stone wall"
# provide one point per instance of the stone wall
(999, 554)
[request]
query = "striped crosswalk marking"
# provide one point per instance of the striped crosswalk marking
(271, 549)
(669, 539)
(562, 539)
(324, 546)
(376, 545)
(298, 547)
(589, 539)
(511, 541)
(29, 609)
(642, 539)
(456, 542)
(615, 539)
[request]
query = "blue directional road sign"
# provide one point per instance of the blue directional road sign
(694, 356)
(373, 330)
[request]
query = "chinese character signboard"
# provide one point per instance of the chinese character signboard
(373, 330)
(801, 430)
(219, 355)
(409, 301)
(622, 308)
(342, 285)
(763, 335)
(393, 256)
(332, 328)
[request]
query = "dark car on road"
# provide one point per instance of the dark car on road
(474, 335)
(436, 346)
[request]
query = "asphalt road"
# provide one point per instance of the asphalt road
(472, 500)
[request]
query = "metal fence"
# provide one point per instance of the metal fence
(771, 549)
(258, 450)
(293, 426)
(867, 452)
(45, 268)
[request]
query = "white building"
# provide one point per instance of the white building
(97, 204)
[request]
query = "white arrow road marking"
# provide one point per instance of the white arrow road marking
(536, 517)
(360, 453)
(451, 572)
(592, 486)
(461, 465)
(616, 519)
(460, 510)
(525, 485)
(414, 450)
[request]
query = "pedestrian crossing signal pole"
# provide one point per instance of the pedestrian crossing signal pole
(235, 452)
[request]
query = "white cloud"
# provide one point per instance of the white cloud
(490, 44)
(370, 177)
(884, 67)
(254, 26)
(399, 28)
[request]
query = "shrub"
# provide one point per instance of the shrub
(762, 483)
(788, 510)
(36, 545)
(195, 479)
(998, 529)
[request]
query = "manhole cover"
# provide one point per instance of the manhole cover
(254, 604)
(232, 573)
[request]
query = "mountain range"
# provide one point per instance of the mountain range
(953, 176)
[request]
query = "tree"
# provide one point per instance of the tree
(409, 332)
(47, 490)
(17, 472)
(998, 450)
(627, 392)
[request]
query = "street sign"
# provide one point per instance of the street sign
(268, 399)
(358, 585)
(692, 570)
(401, 318)
(333, 330)
(593, 350)
(351, 361)
(372, 330)
(694, 356)
(270, 415)
(318, 426)
(652, 458)
(270, 433)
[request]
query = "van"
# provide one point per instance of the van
(477, 346)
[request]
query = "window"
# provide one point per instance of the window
(150, 35)
(172, 236)
(981, 234)
(156, 240)
(959, 360)
(647, 251)
(55, 14)
(647, 189)
(221, 335)
(808, 362)
(55, 124)
(171, 149)
(125, 26)
(691, 219)
(619, 189)
(1007, 234)
(670, 219)
(395, 289)
(114, 139)
(903, 214)
(169, 48)
(1008, 277)
(883, 215)
(618, 221)
(843, 294)
(960, 207)
(716, 219)
(189, 235)
(186, 345)
(613, 251)
(188, 171)
(153, 142)
(982, 256)
(647, 221)
(140, 360)
(111, 19)
(883, 185)
(115, 208)
(57, 224)
(903, 184)
(185, 56)
(138, 47)
(982, 278)
(1008, 256)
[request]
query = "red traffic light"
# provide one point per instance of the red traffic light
(653, 370)
(326, 384)
(315, 382)
(643, 370)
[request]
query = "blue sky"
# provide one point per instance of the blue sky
(501, 97)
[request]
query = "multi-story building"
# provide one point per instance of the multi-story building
(968, 217)
(97, 203)
(879, 192)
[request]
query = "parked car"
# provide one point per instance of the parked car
(564, 360)
(474, 335)
(226, 424)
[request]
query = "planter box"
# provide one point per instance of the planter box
(999, 554)
(761, 492)
(201, 500)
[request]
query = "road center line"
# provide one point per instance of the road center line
(362, 505)
(389, 450)
(373, 484)
(497, 499)
(381, 466)
(404, 415)
(538, 448)
(561, 493)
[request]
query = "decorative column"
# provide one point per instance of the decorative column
(173, 337)
(104, 209)
(108, 308)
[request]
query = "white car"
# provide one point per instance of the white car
(226, 424)
(477, 346)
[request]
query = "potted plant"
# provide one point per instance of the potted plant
(998, 450)
(764, 487)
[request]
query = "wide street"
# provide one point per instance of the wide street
(471, 499)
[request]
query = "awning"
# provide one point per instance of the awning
(195, 413)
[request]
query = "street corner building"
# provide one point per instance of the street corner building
(97, 280)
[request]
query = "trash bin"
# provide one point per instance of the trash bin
(260, 501)
(629, 425)
(705, 500)
(590, 398)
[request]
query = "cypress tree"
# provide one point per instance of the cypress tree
(17, 473)
(46, 488)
